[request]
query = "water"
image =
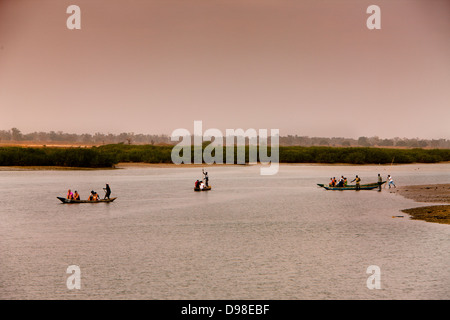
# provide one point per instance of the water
(251, 237)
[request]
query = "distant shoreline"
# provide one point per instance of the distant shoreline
(125, 165)
(433, 193)
(111, 155)
(39, 168)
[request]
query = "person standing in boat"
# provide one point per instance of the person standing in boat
(206, 178)
(357, 180)
(108, 191)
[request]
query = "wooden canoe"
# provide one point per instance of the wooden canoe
(64, 200)
(374, 184)
(351, 188)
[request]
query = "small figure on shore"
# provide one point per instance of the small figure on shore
(108, 191)
(357, 180)
(380, 182)
(391, 181)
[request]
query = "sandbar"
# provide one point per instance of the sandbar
(435, 193)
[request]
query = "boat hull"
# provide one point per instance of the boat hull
(374, 184)
(351, 188)
(64, 200)
(204, 189)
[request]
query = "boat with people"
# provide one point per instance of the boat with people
(351, 187)
(65, 200)
(374, 184)
(203, 189)
(94, 197)
(202, 185)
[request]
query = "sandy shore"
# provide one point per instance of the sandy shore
(438, 193)
(426, 193)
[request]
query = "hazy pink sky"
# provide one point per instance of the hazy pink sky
(303, 67)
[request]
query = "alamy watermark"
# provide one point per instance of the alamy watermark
(374, 280)
(74, 280)
(258, 147)
(74, 20)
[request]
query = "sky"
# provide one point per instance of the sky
(307, 68)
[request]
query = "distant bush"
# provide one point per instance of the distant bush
(108, 155)
(64, 157)
(291, 154)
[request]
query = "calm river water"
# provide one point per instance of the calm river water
(251, 237)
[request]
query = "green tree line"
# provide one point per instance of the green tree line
(291, 154)
(109, 155)
(61, 157)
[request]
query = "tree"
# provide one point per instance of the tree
(363, 141)
(16, 135)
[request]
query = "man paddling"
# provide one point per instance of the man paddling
(108, 191)
(206, 177)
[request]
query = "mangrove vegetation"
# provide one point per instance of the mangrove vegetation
(109, 155)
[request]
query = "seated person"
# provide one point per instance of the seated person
(341, 182)
(69, 195)
(76, 196)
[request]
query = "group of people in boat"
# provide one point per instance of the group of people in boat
(204, 183)
(73, 196)
(341, 183)
(94, 196)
